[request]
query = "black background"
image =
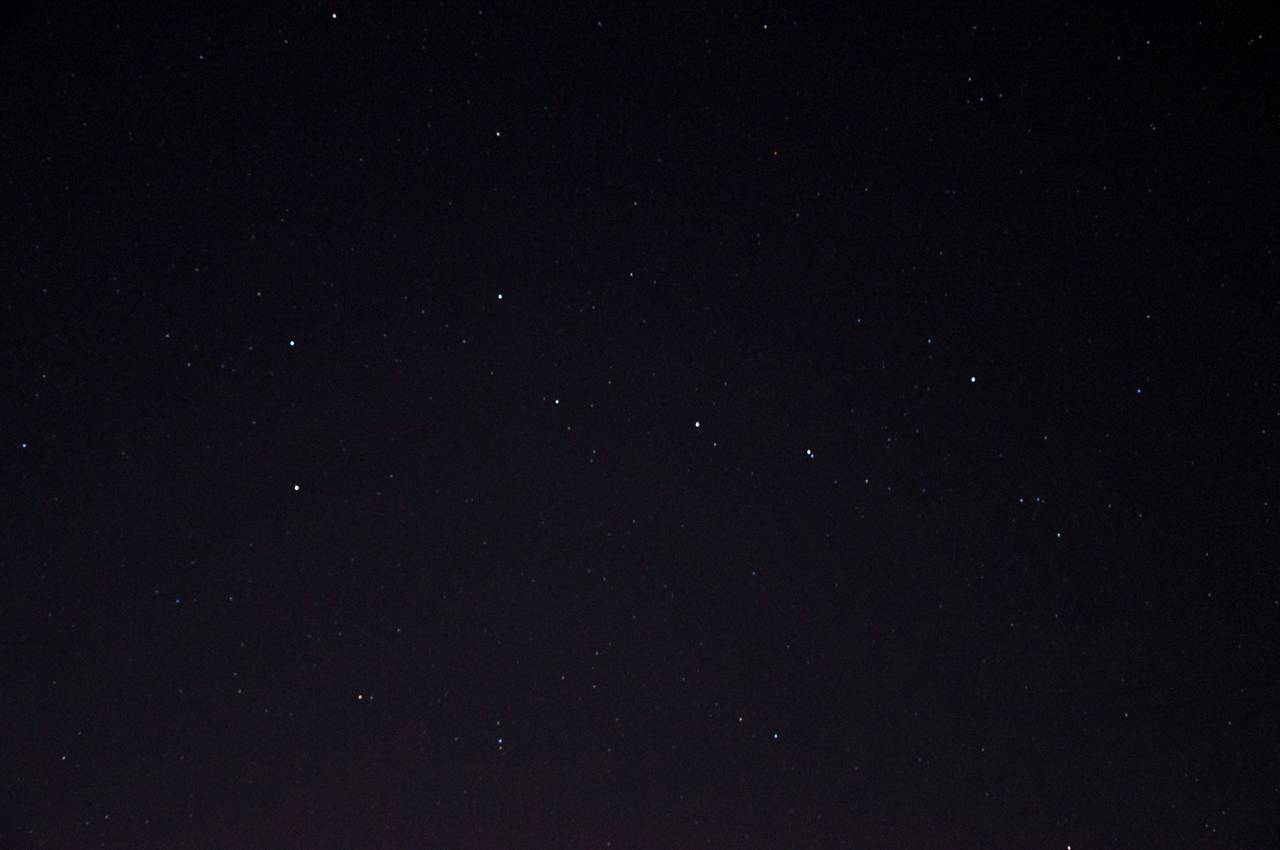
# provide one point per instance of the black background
(470, 427)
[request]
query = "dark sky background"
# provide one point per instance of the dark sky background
(610, 427)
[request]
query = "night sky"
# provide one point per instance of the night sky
(612, 427)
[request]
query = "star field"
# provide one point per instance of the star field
(481, 427)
